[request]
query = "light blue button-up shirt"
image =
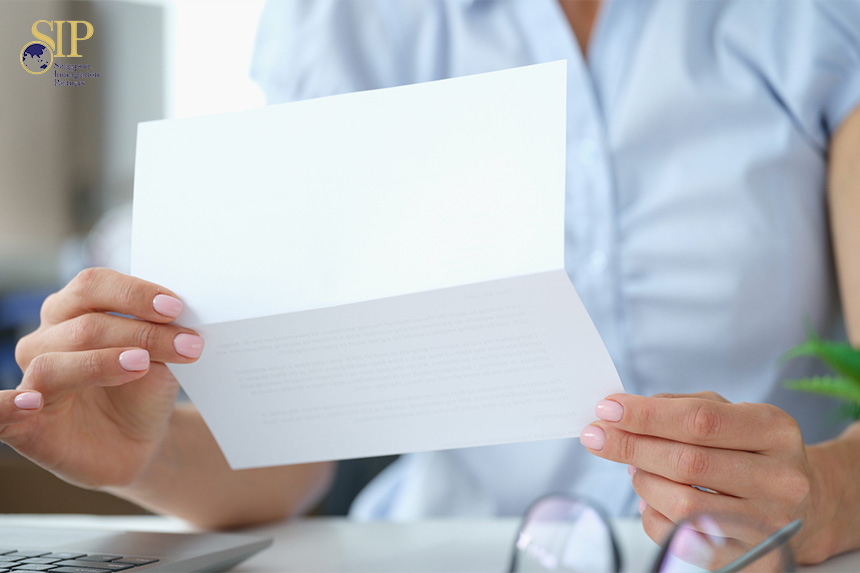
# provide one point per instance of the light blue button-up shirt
(696, 226)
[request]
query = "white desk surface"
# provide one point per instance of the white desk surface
(322, 544)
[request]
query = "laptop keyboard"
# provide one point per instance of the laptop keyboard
(65, 562)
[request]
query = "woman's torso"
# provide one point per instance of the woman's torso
(696, 228)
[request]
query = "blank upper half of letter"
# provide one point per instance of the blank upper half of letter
(374, 273)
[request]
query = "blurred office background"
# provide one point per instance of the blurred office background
(67, 155)
(68, 152)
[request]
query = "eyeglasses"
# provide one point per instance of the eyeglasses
(566, 534)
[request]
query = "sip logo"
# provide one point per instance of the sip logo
(38, 56)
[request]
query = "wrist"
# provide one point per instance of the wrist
(821, 530)
(830, 528)
(157, 474)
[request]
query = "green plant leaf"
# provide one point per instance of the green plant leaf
(840, 356)
(850, 411)
(837, 387)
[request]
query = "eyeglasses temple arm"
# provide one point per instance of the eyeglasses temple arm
(775, 540)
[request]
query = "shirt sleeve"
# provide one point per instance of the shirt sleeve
(313, 48)
(810, 56)
(843, 20)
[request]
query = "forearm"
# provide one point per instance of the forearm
(837, 466)
(190, 478)
(844, 203)
(837, 462)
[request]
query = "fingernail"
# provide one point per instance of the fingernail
(631, 470)
(167, 305)
(136, 360)
(642, 505)
(609, 410)
(188, 345)
(593, 438)
(28, 401)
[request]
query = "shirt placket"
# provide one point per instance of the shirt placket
(590, 213)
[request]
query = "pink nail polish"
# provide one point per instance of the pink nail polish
(642, 505)
(28, 401)
(135, 360)
(188, 345)
(593, 438)
(609, 410)
(631, 470)
(167, 305)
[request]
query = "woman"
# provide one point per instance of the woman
(705, 143)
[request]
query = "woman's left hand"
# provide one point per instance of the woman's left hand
(751, 454)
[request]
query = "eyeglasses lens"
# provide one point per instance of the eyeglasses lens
(705, 543)
(564, 535)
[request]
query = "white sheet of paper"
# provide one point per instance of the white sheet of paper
(374, 273)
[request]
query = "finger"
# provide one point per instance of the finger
(92, 331)
(104, 290)
(707, 395)
(677, 502)
(55, 374)
(726, 471)
(750, 427)
(656, 525)
(17, 406)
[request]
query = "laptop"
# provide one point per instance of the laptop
(59, 550)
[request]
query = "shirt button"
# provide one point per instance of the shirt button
(597, 261)
(589, 152)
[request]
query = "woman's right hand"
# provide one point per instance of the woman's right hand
(96, 396)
